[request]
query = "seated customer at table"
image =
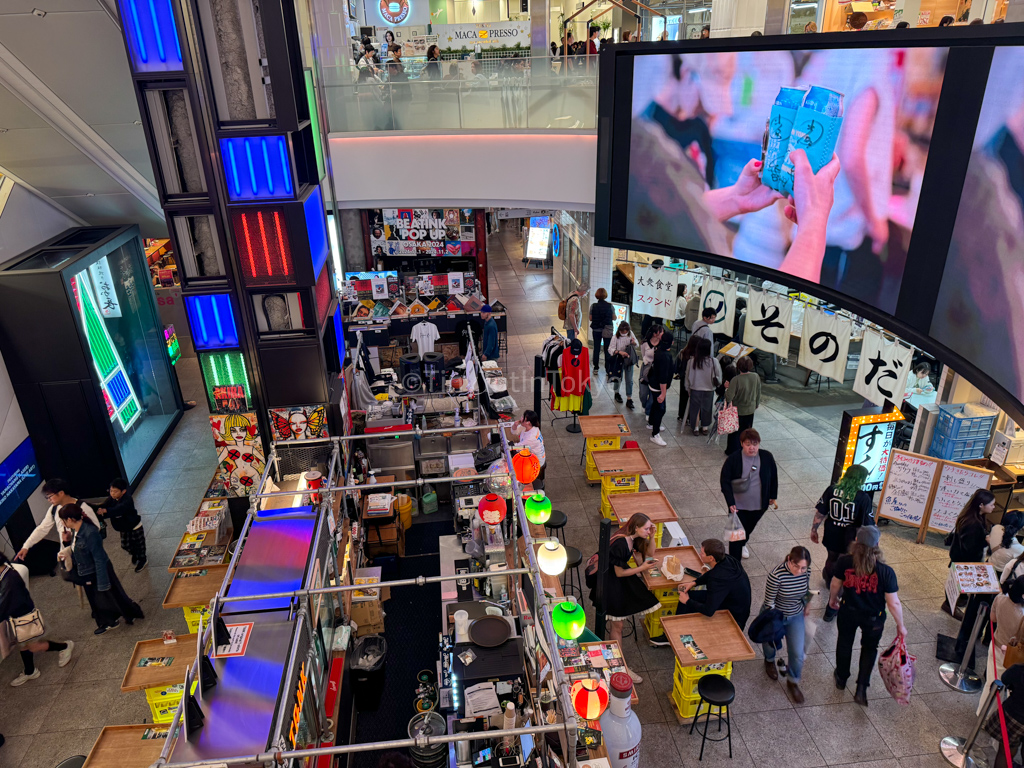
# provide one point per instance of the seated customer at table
(728, 588)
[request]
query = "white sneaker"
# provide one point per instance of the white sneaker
(656, 439)
(746, 553)
(650, 426)
(637, 680)
(23, 678)
(65, 656)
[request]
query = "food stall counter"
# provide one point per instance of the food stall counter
(127, 746)
(156, 664)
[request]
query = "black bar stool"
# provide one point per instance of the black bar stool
(571, 583)
(556, 524)
(716, 691)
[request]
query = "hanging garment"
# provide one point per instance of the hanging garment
(575, 370)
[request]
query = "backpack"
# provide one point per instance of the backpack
(561, 309)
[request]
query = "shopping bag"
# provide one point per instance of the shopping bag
(1015, 648)
(734, 529)
(728, 420)
(896, 668)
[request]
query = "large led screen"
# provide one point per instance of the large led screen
(809, 162)
(979, 311)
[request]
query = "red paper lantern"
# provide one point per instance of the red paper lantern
(492, 509)
(526, 466)
(589, 698)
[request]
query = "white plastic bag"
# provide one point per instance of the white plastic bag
(734, 529)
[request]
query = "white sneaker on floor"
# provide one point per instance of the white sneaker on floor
(650, 426)
(65, 656)
(637, 680)
(656, 439)
(23, 678)
(746, 553)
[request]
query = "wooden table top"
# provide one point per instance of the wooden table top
(625, 461)
(187, 590)
(654, 504)
(224, 540)
(718, 636)
(688, 556)
(138, 678)
(612, 425)
(122, 746)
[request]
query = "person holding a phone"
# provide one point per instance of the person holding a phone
(750, 484)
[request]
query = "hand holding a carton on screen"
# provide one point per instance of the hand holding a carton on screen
(808, 208)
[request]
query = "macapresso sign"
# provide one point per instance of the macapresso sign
(496, 34)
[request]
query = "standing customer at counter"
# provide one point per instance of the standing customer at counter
(625, 594)
(703, 376)
(786, 591)
(869, 586)
(843, 508)
(744, 392)
(623, 349)
(728, 586)
(489, 338)
(968, 541)
(750, 484)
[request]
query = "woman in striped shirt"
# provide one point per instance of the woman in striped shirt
(785, 591)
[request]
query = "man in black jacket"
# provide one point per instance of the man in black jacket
(750, 484)
(119, 508)
(727, 588)
(659, 379)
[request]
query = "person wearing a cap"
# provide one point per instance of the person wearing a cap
(489, 339)
(868, 587)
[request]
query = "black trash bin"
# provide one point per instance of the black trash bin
(368, 665)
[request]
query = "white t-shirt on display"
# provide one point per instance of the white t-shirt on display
(425, 334)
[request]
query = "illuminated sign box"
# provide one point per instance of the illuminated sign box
(152, 35)
(19, 476)
(212, 321)
(316, 229)
(257, 168)
(227, 383)
(866, 438)
(264, 248)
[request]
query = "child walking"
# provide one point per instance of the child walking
(120, 509)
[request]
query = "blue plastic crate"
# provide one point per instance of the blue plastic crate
(953, 427)
(957, 450)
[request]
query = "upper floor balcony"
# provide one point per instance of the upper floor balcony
(521, 93)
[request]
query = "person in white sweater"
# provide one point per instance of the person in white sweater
(620, 346)
(56, 492)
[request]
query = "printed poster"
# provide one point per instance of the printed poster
(654, 292)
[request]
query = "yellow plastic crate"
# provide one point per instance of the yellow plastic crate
(165, 694)
(603, 444)
(666, 596)
(164, 713)
(685, 679)
(688, 707)
(620, 483)
(592, 474)
(652, 621)
(192, 614)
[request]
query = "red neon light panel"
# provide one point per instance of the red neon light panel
(262, 238)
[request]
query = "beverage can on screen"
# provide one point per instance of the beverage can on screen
(780, 125)
(815, 130)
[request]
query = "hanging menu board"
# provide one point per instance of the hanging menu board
(928, 493)
(957, 483)
(908, 487)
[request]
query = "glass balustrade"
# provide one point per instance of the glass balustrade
(493, 93)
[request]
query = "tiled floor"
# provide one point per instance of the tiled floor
(60, 713)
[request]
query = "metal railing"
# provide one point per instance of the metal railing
(533, 93)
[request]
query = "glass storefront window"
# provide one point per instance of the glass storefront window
(800, 15)
(128, 349)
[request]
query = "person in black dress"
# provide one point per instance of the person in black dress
(625, 593)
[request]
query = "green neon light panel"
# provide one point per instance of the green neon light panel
(226, 379)
(118, 393)
(314, 119)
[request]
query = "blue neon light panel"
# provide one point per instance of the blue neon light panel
(339, 334)
(257, 168)
(212, 321)
(316, 228)
(152, 35)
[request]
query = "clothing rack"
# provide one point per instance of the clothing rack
(574, 427)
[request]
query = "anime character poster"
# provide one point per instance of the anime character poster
(240, 458)
(307, 422)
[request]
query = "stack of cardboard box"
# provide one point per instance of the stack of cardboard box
(367, 612)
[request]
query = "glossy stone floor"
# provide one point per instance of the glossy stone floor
(60, 713)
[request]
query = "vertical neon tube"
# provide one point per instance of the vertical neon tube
(138, 32)
(252, 170)
(177, 42)
(237, 182)
(248, 244)
(202, 322)
(280, 241)
(266, 248)
(285, 167)
(216, 317)
(156, 33)
(266, 164)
